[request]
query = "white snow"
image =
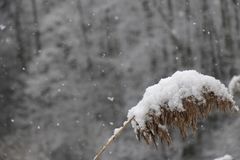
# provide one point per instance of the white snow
(116, 130)
(234, 85)
(2, 27)
(110, 99)
(225, 157)
(170, 91)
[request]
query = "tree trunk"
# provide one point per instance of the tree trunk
(212, 40)
(226, 25)
(228, 55)
(18, 31)
(236, 4)
(83, 28)
(37, 34)
(204, 46)
(187, 60)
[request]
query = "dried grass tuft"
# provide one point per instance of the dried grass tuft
(156, 124)
(194, 110)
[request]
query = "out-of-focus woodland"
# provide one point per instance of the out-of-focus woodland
(71, 69)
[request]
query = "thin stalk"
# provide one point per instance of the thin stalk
(112, 138)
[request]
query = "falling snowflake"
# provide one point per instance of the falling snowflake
(110, 99)
(2, 27)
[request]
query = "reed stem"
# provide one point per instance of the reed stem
(112, 138)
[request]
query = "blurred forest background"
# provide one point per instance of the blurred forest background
(71, 69)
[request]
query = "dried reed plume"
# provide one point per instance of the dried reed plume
(194, 110)
(156, 125)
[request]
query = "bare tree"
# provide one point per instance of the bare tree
(83, 29)
(226, 25)
(19, 32)
(228, 54)
(236, 4)
(37, 34)
(187, 60)
(210, 44)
